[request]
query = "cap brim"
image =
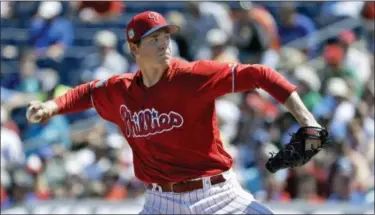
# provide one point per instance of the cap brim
(171, 28)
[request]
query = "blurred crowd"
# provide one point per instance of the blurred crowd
(325, 48)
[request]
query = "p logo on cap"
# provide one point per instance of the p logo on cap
(154, 16)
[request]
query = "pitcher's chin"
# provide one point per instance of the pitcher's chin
(165, 60)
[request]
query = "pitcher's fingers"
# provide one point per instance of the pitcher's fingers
(32, 103)
(38, 117)
(36, 104)
(34, 108)
(31, 110)
(39, 113)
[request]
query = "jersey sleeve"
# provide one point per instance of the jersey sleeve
(100, 98)
(74, 100)
(256, 76)
(92, 94)
(214, 79)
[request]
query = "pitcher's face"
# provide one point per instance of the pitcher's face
(156, 48)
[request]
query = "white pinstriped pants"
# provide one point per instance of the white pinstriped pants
(223, 198)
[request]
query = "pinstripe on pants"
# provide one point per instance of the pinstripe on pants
(224, 198)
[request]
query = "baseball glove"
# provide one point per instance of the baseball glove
(304, 144)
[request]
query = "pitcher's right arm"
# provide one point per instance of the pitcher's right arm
(92, 94)
(74, 100)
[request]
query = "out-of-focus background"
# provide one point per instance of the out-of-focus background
(325, 48)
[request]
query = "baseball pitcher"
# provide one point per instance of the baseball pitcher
(166, 111)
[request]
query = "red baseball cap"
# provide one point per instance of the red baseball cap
(145, 23)
(333, 54)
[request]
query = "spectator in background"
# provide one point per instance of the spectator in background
(97, 11)
(75, 187)
(12, 99)
(23, 184)
(196, 26)
(306, 189)
(361, 132)
(255, 33)
(12, 152)
(98, 169)
(107, 61)
(4, 197)
(264, 18)
(335, 67)
(179, 41)
(355, 59)
(337, 93)
(342, 181)
(35, 167)
(13, 10)
(27, 84)
(6, 11)
(73, 177)
(45, 137)
(255, 140)
(49, 82)
(218, 48)
(365, 116)
(122, 160)
(24, 11)
(228, 115)
(368, 13)
(308, 86)
(221, 13)
(293, 26)
(114, 189)
(28, 81)
(368, 101)
(50, 34)
(342, 107)
(368, 18)
(290, 59)
(357, 139)
(274, 184)
(342, 9)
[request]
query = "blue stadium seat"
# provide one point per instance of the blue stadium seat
(136, 7)
(83, 42)
(161, 7)
(10, 73)
(79, 51)
(8, 23)
(14, 36)
(85, 32)
(70, 68)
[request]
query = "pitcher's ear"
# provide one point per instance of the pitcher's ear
(133, 48)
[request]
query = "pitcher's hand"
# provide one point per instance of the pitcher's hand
(41, 112)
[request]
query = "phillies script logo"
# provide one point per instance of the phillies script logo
(149, 122)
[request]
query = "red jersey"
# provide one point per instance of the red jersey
(171, 126)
